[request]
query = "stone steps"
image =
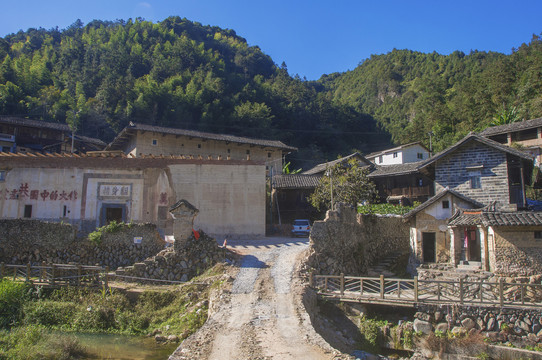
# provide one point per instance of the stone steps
(383, 267)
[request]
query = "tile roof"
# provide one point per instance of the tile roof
(382, 152)
(295, 181)
(517, 126)
(480, 139)
(394, 170)
(33, 123)
(320, 168)
(496, 218)
(129, 130)
(439, 196)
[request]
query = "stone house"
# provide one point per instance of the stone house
(92, 189)
(25, 135)
(402, 154)
(527, 133)
(482, 170)
(138, 139)
(429, 237)
(505, 243)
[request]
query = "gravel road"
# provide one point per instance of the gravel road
(261, 317)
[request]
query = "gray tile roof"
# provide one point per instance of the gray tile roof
(129, 131)
(517, 126)
(295, 181)
(480, 139)
(496, 218)
(33, 123)
(394, 170)
(320, 168)
(439, 196)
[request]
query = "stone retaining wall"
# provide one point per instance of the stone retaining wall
(181, 263)
(33, 241)
(520, 327)
(347, 242)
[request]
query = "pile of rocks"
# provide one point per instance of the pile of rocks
(180, 263)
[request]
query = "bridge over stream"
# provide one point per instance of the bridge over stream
(411, 292)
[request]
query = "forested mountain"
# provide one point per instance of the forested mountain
(175, 73)
(411, 93)
(99, 76)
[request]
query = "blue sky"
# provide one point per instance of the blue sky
(315, 37)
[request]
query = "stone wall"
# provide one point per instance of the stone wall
(179, 263)
(517, 253)
(452, 171)
(24, 241)
(520, 327)
(347, 242)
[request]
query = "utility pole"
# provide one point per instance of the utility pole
(430, 133)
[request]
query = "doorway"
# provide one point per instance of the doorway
(113, 212)
(429, 247)
(472, 245)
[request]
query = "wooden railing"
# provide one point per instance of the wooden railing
(56, 274)
(408, 292)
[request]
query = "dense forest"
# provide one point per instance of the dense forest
(410, 94)
(178, 73)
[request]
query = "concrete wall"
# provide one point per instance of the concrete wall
(347, 242)
(405, 155)
(452, 171)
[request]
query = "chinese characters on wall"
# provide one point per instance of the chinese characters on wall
(122, 190)
(24, 192)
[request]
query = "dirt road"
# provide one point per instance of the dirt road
(261, 317)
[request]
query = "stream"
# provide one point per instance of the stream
(124, 347)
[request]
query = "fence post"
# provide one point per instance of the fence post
(311, 279)
(416, 288)
(461, 291)
(501, 292)
(382, 286)
(106, 280)
(42, 272)
(522, 294)
(79, 274)
(342, 283)
(14, 273)
(28, 272)
(481, 292)
(2, 270)
(53, 274)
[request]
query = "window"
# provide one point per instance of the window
(65, 211)
(229, 151)
(248, 152)
(154, 142)
(420, 182)
(380, 159)
(538, 235)
(446, 204)
(268, 154)
(28, 211)
(420, 155)
(199, 146)
(475, 182)
(395, 154)
(2, 175)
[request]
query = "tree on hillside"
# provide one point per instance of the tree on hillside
(349, 183)
(505, 116)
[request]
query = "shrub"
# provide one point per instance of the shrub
(12, 296)
(96, 236)
(385, 209)
(49, 313)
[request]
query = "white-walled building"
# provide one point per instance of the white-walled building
(402, 154)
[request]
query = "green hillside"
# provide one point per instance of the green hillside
(99, 76)
(410, 93)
